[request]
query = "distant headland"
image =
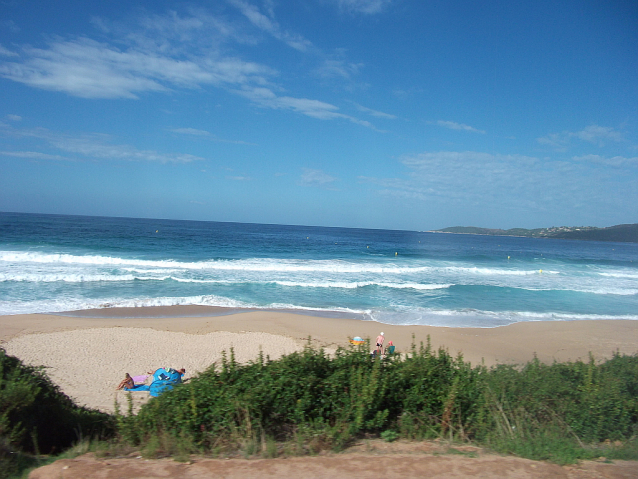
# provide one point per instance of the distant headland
(618, 233)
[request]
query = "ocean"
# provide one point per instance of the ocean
(55, 263)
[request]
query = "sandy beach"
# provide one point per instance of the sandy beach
(88, 353)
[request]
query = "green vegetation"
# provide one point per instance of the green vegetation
(619, 233)
(308, 401)
(36, 418)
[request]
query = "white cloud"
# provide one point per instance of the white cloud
(363, 6)
(313, 108)
(206, 134)
(375, 113)
(97, 147)
(312, 177)
(616, 161)
(269, 25)
(166, 53)
(32, 155)
(191, 131)
(92, 147)
(338, 71)
(558, 141)
(7, 53)
(90, 69)
(597, 135)
(14, 117)
(471, 178)
(458, 126)
(338, 68)
(10, 25)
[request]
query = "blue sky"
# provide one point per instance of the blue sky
(391, 114)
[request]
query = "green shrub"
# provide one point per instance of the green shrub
(308, 401)
(37, 418)
(311, 401)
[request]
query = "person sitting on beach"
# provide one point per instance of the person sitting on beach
(127, 382)
(380, 340)
(390, 349)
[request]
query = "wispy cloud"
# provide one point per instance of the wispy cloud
(598, 134)
(595, 134)
(512, 181)
(266, 98)
(10, 24)
(452, 125)
(615, 161)
(33, 155)
(338, 68)
(363, 6)
(191, 131)
(90, 69)
(194, 132)
(166, 53)
(311, 177)
(7, 53)
(375, 113)
(268, 24)
(89, 147)
(14, 117)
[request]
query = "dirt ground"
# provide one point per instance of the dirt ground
(369, 459)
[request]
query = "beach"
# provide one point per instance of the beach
(87, 353)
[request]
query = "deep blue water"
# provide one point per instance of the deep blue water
(52, 263)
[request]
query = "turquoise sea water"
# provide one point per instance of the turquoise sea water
(51, 263)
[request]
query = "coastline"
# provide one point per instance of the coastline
(87, 355)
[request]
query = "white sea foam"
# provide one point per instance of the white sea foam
(85, 278)
(620, 275)
(74, 304)
(76, 278)
(466, 317)
(257, 264)
(477, 318)
(362, 284)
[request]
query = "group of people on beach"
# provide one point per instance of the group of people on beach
(379, 350)
(129, 382)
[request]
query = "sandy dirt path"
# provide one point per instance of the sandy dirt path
(342, 466)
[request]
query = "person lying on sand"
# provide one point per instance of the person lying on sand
(127, 382)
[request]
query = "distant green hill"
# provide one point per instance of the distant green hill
(619, 233)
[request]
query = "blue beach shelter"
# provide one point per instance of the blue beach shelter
(164, 379)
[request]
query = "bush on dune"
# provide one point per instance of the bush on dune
(37, 418)
(559, 411)
(314, 401)
(309, 401)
